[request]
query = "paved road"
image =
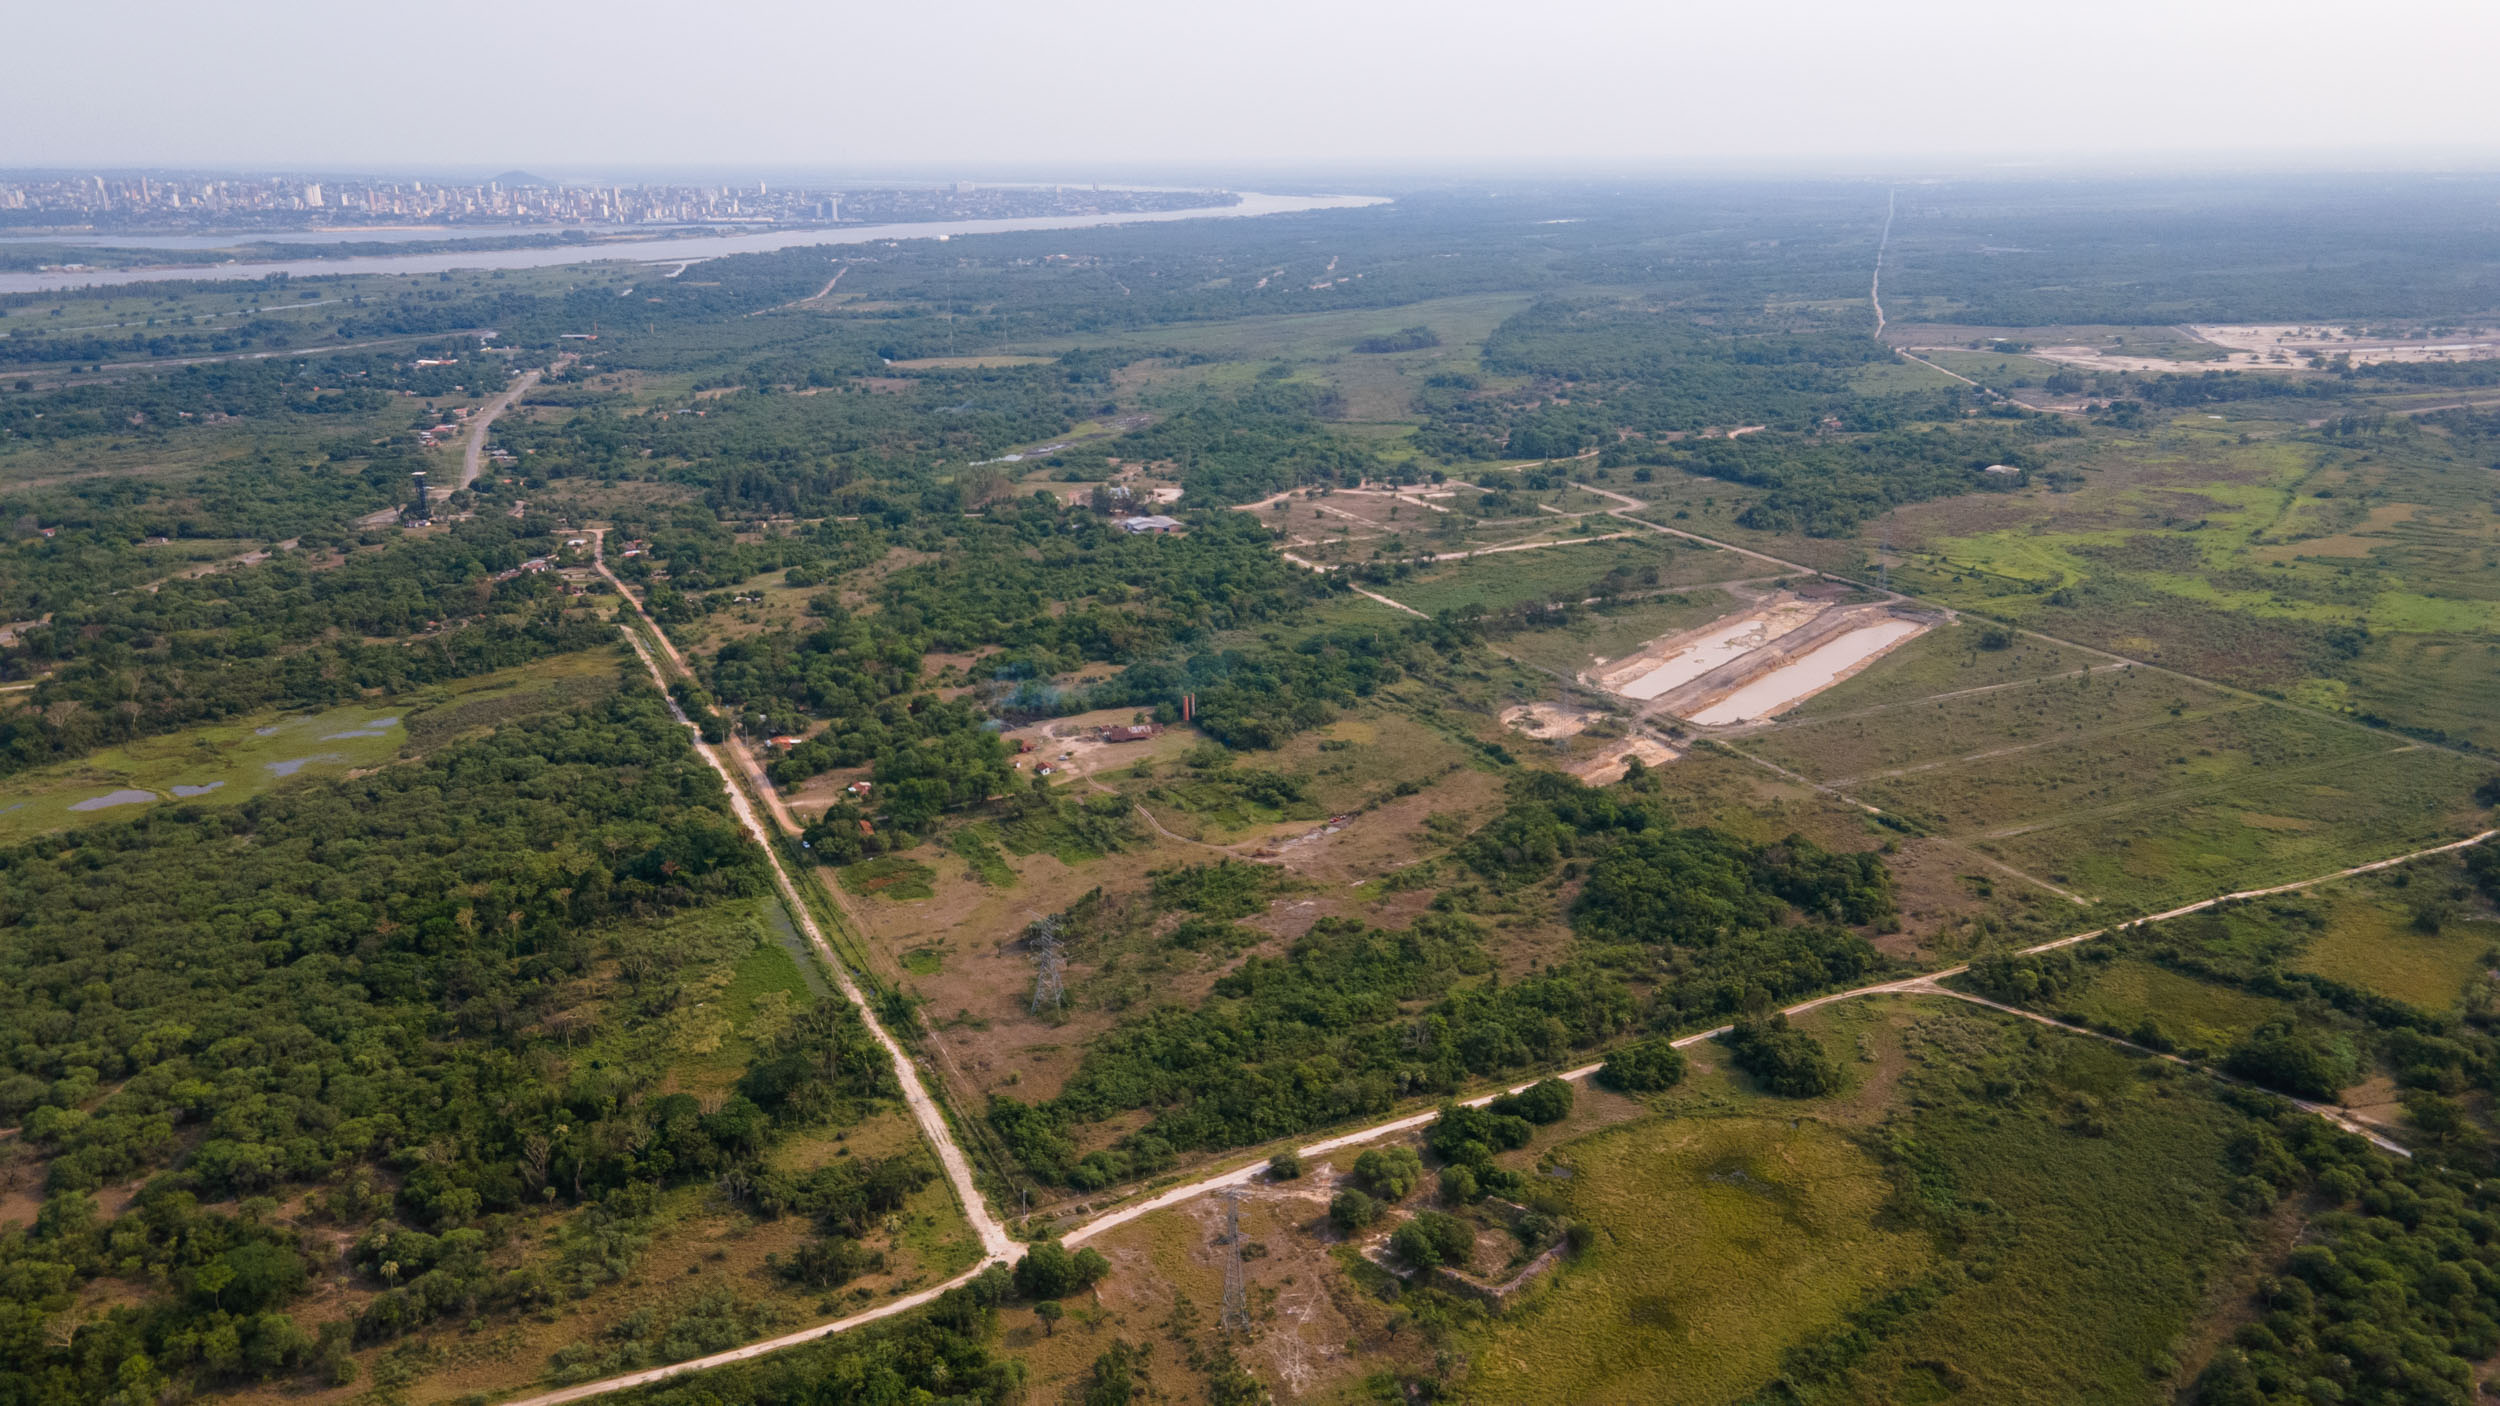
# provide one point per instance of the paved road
(472, 454)
(113, 368)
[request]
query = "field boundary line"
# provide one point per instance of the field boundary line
(2017, 748)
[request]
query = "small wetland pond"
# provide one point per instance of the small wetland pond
(220, 764)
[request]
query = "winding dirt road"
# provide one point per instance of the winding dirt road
(999, 1247)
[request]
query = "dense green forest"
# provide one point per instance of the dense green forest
(378, 987)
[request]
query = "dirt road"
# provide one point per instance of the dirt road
(1924, 984)
(999, 1247)
(473, 454)
(996, 1243)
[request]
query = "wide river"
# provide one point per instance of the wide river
(667, 251)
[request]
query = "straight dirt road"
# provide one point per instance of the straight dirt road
(996, 1243)
(473, 454)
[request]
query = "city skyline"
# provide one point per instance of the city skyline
(1112, 86)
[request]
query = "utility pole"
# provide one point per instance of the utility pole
(1236, 1316)
(1049, 965)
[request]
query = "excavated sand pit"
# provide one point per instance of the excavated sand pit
(1760, 662)
(1549, 721)
(1784, 687)
(1664, 665)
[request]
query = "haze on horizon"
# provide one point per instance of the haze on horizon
(1111, 87)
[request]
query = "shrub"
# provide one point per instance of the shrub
(2292, 1060)
(1350, 1210)
(1389, 1173)
(1048, 1271)
(1545, 1101)
(1470, 1136)
(831, 1262)
(1434, 1238)
(1644, 1068)
(1285, 1166)
(1789, 1062)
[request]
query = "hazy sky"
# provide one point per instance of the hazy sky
(1090, 88)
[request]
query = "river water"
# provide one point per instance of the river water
(669, 251)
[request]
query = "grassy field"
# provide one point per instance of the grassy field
(2025, 1256)
(2381, 951)
(2237, 550)
(2145, 765)
(1571, 573)
(2086, 1245)
(1726, 1240)
(2047, 713)
(2261, 832)
(1940, 662)
(2199, 1015)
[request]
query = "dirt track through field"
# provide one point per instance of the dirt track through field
(999, 1247)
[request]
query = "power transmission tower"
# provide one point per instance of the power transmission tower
(1049, 965)
(1236, 1316)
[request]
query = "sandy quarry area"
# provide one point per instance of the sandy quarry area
(2281, 345)
(2297, 343)
(1550, 721)
(1676, 660)
(1810, 673)
(1609, 764)
(1759, 662)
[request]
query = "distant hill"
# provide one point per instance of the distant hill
(521, 178)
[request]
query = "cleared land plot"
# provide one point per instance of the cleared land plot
(1610, 632)
(2373, 945)
(2203, 1017)
(2284, 342)
(2263, 832)
(1668, 664)
(1572, 573)
(2044, 784)
(1809, 673)
(1947, 660)
(1988, 718)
